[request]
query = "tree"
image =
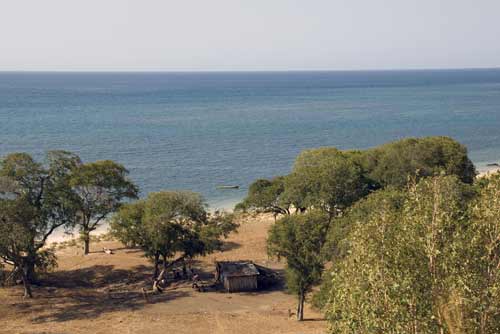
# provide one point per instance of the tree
(267, 196)
(172, 219)
(15, 239)
(391, 164)
(35, 200)
(326, 179)
(338, 246)
(402, 269)
(169, 223)
(99, 189)
(299, 239)
(126, 224)
(479, 281)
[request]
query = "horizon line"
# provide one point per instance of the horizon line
(246, 71)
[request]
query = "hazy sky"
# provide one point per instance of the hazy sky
(248, 34)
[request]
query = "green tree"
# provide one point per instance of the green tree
(267, 196)
(99, 189)
(401, 271)
(299, 239)
(337, 245)
(480, 254)
(393, 163)
(326, 179)
(172, 219)
(169, 223)
(35, 200)
(126, 224)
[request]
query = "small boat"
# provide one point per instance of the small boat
(228, 187)
(494, 164)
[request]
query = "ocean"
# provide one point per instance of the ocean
(196, 131)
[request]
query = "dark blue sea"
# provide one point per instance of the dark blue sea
(200, 130)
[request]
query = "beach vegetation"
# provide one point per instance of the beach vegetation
(299, 240)
(168, 224)
(99, 189)
(267, 196)
(326, 179)
(35, 200)
(391, 164)
(425, 263)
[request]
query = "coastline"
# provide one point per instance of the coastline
(62, 236)
(485, 173)
(228, 206)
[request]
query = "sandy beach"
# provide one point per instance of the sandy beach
(488, 171)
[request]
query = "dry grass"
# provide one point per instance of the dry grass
(101, 293)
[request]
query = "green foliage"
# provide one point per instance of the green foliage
(479, 283)
(171, 222)
(218, 226)
(126, 224)
(179, 207)
(326, 179)
(35, 199)
(391, 164)
(99, 189)
(46, 260)
(266, 196)
(332, 180)
(404, 264)
(299, 239)
(337, 245)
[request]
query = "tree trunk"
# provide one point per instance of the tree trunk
(30, 270)
(300, 307)
(26, 282)
(157, 260)
(165, 268)
(86, 242)
(156, 284)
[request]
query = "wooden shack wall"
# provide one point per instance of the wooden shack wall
(243, 283)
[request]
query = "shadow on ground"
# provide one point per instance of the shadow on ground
(97, 276)
(90, 304)
(230, 245)
(90, 292)
(86, 293)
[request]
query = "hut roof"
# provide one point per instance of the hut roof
(238, 268)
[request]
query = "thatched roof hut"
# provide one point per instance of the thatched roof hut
(237, 275)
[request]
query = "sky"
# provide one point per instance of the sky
(249, 35)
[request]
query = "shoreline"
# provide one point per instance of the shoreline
(228, 205)
(62, 236)
(485, 173)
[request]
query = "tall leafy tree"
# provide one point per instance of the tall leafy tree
(99, 189)
(299, 239)
(393, 163)
(402, 269)
(479, 281)
(326, 179)
(172, 218)
(169, 223)
(35, 200)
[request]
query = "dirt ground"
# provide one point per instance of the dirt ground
(101, 293)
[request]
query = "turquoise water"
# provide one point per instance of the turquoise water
(199, 130)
